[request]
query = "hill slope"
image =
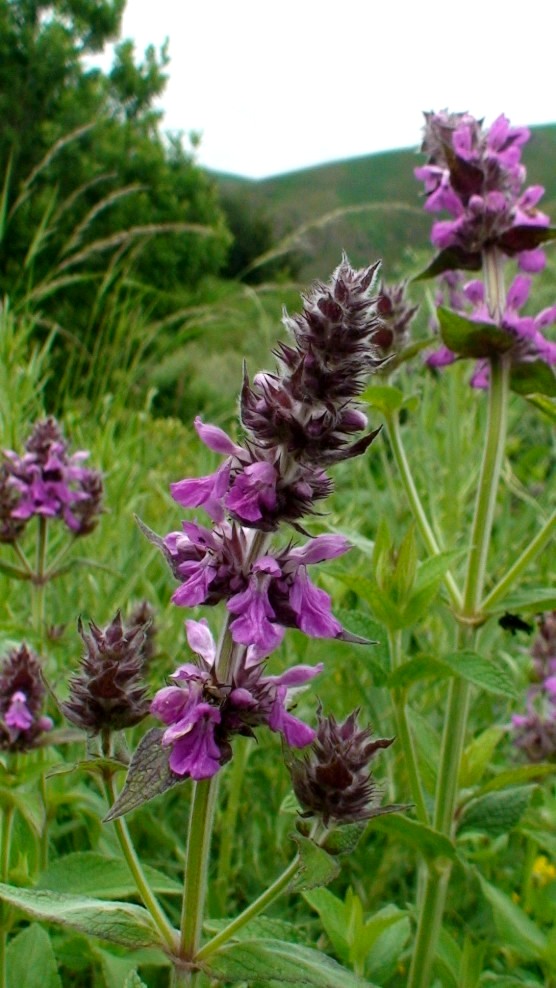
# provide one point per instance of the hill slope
(369, 206)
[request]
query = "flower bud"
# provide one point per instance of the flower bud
(333, 780)
(109, 692)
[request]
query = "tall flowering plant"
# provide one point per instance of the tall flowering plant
(297, 422)
(475, 176)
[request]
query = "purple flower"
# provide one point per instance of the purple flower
(50, 483)
(22, 694)
(18, 715)
(476, 176)
(202, 713)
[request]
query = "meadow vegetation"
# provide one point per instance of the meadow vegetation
(125, 314)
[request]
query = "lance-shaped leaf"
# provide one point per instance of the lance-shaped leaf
(533, 377)
(102, 876)
(451, 259)
(469, 338)
(118, 922)
(496, 812)
(272, 961)
(482, 673)
(525, 237)
(148, 776)
(31, 960)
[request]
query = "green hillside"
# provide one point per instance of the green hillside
(369, 206)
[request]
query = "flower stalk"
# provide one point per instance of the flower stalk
(453, 740)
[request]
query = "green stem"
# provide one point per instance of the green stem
(38, 578)
(458, 699)
(7, 824)
(426, 532)
(403, 731)
(522, 562)
(147, 896)
(256, 907)
(43, 849)
(488, 486)
(229, 821)
(196, 866)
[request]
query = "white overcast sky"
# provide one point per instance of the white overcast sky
(277, 86)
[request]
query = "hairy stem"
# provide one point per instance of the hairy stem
(229, 821)
(258, 906)
(196, 866)
(455, 723)
(167, 933)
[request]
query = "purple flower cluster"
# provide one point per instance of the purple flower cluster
(22, 694)
(396, 314)
(202, 713)
(476, 175)
(297, 421)
(535, 731)
(48, 482)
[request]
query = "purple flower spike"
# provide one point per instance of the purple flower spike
(48, 482)
(476, 176)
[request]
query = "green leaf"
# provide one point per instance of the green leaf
(30, 960)
(119, 922)
(149, 775)
(517, 776)
(384, 397)
(428, 842)
(331, 911)
(496, 812)
(514, 927)
(471, 339)
(14, 572)
(544, 404)
(529, 601)
(451, 259)
(30, 806)
(134, 981)
(376, 656)
(533, 377)
(265, 961)
(478, 755)
(385, 953)
(260, 928)
(480, 672)
(431, 570)
(405, 567)
(317, 867)
(525, 237)
(90, 873)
